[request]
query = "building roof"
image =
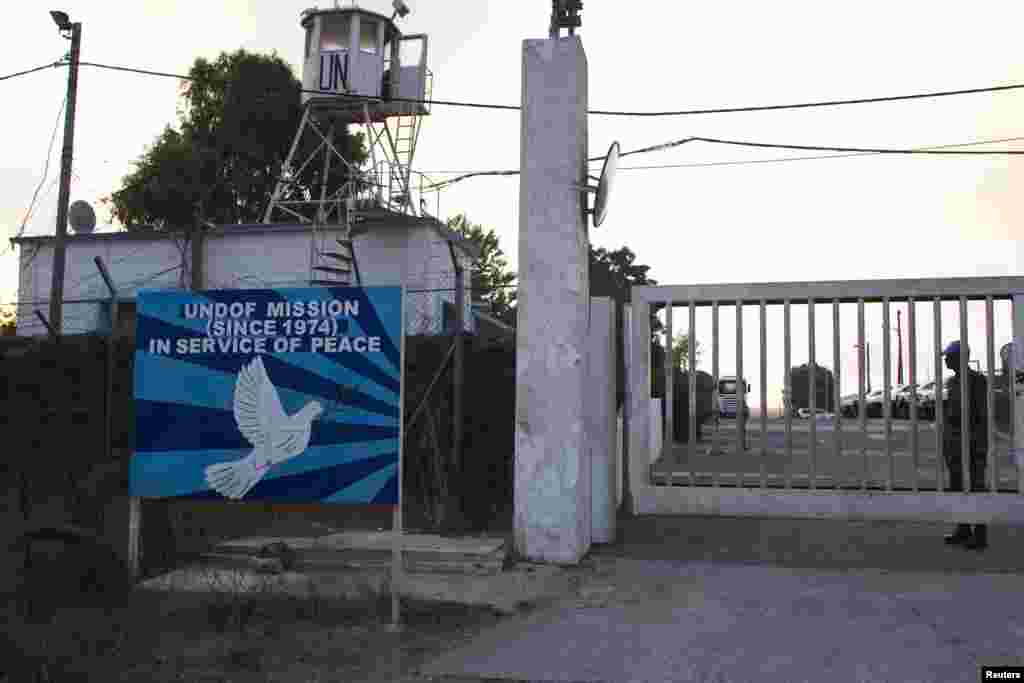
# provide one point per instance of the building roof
(379, 218)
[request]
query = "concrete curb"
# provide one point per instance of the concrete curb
(508, 592)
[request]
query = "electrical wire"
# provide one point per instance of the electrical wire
(869, 150)
(601, 112)
(46, 171)
(852, 151)
(708, 164)
(30, 71)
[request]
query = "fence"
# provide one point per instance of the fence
(53, 412)
(772, 460)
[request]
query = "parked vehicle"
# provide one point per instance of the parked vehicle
(927, 399)
(874, 403)
(848, 405)
(728, 388)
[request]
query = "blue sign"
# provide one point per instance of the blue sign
(276, 395)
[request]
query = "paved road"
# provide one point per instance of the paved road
(862, 455)
(687, 599)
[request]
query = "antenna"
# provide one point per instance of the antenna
(82, 217)
(604, 185)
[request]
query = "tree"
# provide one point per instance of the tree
(491, 279)
(613, 274)
(238, 116)
(800, 381)
(681, 351)
(7, 322)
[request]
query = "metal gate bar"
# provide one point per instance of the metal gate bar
(714, 396)
(741, 390)
(862, 407)
(1017, 312)
(886, 394)
(692, 386)
(788, 382)
(990, 397)
(837, 423)
(668, 453)
(915, 446)
(937, 341)
(965, 401)
(764, 392)
(813, 427)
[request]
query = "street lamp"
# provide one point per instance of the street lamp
(61, 19)
(72, 32)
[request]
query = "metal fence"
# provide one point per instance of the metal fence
(774, 465)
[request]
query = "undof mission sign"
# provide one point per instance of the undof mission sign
(283, 395)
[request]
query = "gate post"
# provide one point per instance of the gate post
(600, 424)
(638, 379)
(552, 465)
(1016, 386)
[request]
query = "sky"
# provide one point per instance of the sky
(869, 217)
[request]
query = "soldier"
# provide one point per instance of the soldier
(952, 440)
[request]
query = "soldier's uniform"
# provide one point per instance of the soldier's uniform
(952, 440)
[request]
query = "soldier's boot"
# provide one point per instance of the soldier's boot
(961, 536)
(979, 541)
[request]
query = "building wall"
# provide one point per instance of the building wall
(133, 264)
(387, 256)
(260, 259)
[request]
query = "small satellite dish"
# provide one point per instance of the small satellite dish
(81, 217)
(604, 185)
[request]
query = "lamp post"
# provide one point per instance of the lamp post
(73, 32)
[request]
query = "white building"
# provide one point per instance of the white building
(389, 249)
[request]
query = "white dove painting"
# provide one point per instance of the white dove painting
(275, 436)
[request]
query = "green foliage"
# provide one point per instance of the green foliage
(491, 278)
(681, 351)
(612, 273)
(7, 321)
(237, 119)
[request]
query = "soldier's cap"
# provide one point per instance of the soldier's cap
(955, 347)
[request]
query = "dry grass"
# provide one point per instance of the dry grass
(224, 635)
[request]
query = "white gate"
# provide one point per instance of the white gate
(857, 476)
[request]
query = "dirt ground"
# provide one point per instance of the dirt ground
(53, 630)
(152, 636)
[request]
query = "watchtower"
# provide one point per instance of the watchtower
(358, 69)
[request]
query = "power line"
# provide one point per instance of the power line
(745, 162)
(601, 112)
(851, 152)
(869, 150)
(46, 171)
(31, 71)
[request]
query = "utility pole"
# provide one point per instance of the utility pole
(57, 286)
(454, 516)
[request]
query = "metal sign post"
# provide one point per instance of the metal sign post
(397, 565)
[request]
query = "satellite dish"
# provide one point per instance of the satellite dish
(604, 185)
(81, 217)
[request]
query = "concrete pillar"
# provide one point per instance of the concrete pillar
(600, 424)
(552, 471)
(638, 379)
